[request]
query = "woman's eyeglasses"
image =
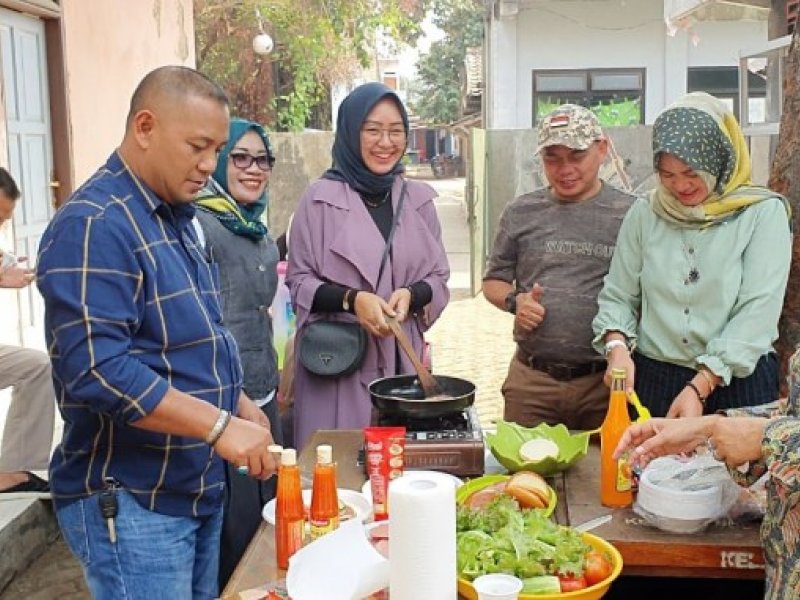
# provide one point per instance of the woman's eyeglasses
(243, 161)
(375, 134)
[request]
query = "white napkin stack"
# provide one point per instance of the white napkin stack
(341, 565)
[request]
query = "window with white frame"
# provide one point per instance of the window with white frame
(723, 82)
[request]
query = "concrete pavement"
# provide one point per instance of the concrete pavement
(471, 340)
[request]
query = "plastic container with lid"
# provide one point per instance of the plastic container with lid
(685, 496)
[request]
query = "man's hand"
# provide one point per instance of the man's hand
(244, 443)
(530, 312)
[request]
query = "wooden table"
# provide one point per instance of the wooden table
(733, 552)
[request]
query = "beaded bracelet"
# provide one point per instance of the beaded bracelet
(694, 388)
(709, 379)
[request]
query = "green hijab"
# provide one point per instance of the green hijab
(699, 130)
(215, 198)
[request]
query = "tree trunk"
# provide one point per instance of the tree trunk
(785, 179)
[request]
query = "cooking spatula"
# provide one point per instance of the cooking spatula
(428, 382)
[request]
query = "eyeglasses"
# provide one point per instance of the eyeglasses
(244, 161)
(375, 134)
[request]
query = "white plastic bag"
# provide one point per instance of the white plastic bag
(685, 494)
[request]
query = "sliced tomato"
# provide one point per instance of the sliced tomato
(570, 583)
(596, 567)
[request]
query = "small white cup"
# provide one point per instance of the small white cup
(497, 586)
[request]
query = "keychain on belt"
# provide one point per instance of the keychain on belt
(108, 506)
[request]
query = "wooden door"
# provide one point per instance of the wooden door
(24, 77)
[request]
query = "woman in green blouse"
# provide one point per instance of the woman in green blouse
(751, 441)
(690, 305)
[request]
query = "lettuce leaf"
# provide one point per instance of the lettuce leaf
(503, 538)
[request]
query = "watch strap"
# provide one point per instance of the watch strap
(511, 302)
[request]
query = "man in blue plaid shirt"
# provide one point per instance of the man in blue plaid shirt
(147, 378)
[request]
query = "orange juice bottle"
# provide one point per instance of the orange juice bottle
(324, 513)
(615, 475)
(289, 518)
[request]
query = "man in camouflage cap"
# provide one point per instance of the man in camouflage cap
(552, 249)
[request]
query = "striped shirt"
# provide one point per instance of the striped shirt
(132, 308)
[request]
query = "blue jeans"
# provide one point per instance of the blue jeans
(156, 556)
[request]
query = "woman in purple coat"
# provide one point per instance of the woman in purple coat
(339, 233)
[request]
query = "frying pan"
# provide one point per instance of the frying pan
(402, 395)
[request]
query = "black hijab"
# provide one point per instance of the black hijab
(348, 166)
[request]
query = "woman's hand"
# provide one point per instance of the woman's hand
(658, 437)
(620, 358)
(737, 440)
(370, 310)
(685, 404)
(400, 302)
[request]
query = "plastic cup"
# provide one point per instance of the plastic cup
(497, 586)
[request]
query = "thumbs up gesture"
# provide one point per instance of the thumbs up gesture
(536, 293)
(530, 312)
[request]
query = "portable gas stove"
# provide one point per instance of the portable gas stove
(452, 443)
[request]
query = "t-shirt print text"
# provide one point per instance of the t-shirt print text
(578, 248)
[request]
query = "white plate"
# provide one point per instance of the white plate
(366, 489)
(360, 505)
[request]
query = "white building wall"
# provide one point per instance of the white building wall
(569, 34)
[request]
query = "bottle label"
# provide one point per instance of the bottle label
(294, 535)
(320, 527)
(623, 475)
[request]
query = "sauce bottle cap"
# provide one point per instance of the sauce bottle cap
(618, 373)
(324, 454)
(288, 457)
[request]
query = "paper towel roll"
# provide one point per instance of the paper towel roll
(422, 538)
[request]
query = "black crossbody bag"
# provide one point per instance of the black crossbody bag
(337, 348)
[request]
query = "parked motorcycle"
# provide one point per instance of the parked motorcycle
(445, 165)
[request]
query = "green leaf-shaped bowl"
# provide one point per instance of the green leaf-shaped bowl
(508, 439)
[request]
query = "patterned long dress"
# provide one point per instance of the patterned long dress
(780, 531)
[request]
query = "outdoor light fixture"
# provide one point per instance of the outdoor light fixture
(262, 43)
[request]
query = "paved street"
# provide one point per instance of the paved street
(472, 340)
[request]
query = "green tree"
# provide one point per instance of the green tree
(318, 43)
(440, 73)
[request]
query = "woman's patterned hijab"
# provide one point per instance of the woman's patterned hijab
(699, 130)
